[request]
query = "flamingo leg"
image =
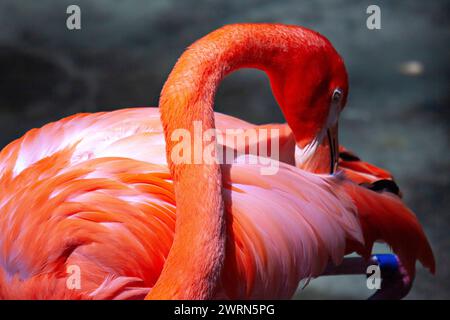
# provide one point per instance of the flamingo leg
(395, 281)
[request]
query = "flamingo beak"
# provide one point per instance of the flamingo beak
(321, 155)
(333, 142)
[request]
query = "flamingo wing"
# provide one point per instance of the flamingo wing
(365, 173)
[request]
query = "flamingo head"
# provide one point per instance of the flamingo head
(312, 90)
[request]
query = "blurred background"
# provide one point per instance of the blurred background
(397, 115)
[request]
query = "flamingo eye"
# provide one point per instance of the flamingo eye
(337, 95)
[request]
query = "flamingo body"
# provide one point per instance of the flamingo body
(94, 190)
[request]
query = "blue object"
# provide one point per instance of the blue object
(387, 262)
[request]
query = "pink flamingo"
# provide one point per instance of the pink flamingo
(100, 191)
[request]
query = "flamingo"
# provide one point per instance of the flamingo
(101, 192)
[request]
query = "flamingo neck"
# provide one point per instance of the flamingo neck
(195, 260)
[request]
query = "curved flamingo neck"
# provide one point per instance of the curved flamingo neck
(194, 263)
